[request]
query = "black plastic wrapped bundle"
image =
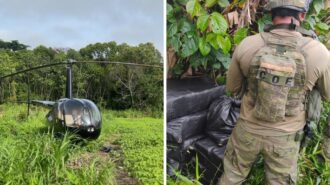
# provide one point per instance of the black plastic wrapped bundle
(188, 96)
(210, 160)
(179, 130)
(221, 119)
(178, 155)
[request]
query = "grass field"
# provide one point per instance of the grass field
(31, 154)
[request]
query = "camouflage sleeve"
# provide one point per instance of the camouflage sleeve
(235, 76)
(323, 84)
(324, 88)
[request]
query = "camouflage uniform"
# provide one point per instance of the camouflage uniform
(280, 156)
(274, 140)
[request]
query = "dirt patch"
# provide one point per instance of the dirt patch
(85, 159)
(122, 177)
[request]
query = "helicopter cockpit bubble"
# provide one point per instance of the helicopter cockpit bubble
(83, 116)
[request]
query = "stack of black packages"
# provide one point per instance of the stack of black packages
(221, 119)
(187, 107)
(200, 119)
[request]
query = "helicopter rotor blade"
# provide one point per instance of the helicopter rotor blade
(121, 63)
(43, 103)
(80, 62)
(33, 68)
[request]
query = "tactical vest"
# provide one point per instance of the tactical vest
(276, 79)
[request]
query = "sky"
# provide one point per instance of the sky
(77, 23)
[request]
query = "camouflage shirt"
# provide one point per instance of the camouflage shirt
(318, 74)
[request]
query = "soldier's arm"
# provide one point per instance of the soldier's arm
(323, 84)
(235, 76)
(318, 68)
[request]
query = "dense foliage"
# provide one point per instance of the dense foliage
(111, 86)
(202, 34)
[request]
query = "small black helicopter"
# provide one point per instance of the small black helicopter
(80, 116)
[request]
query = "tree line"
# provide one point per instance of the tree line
(110, 86)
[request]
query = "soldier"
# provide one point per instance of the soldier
(278, 67)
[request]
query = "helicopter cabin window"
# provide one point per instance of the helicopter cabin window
(96, 116)
(76, 114)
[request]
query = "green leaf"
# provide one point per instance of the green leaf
(266, 19)
(227, 45)
(240, 34)
(172, 29)
(189, 45)
(170, 12)
(223, 58)
(204, 47)
(175, 43)
(219, 24)
(197, 175)
(309, 23)
(223, 3)
(169, 9)
(210, 3)
(182, 2)
(203, 22)
(177, 69)
(212, 39)
(226, 62)
(185, 26)
(318, 5)
(224, 44)
(197, 60)
(322, 26)
(221, 80)
(216, 66)
(193, 7)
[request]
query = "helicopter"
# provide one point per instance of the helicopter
(80, 116)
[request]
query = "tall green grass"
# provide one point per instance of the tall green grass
(30, 154)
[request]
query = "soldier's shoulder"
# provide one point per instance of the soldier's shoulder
(252, 39)
(252, 42)
(310, 45)
(317, 55)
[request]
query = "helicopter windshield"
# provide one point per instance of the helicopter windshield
(95, 113)
(76, 114)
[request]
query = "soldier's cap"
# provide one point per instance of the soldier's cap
(298, 5)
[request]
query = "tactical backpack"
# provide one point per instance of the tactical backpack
(276, 78)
